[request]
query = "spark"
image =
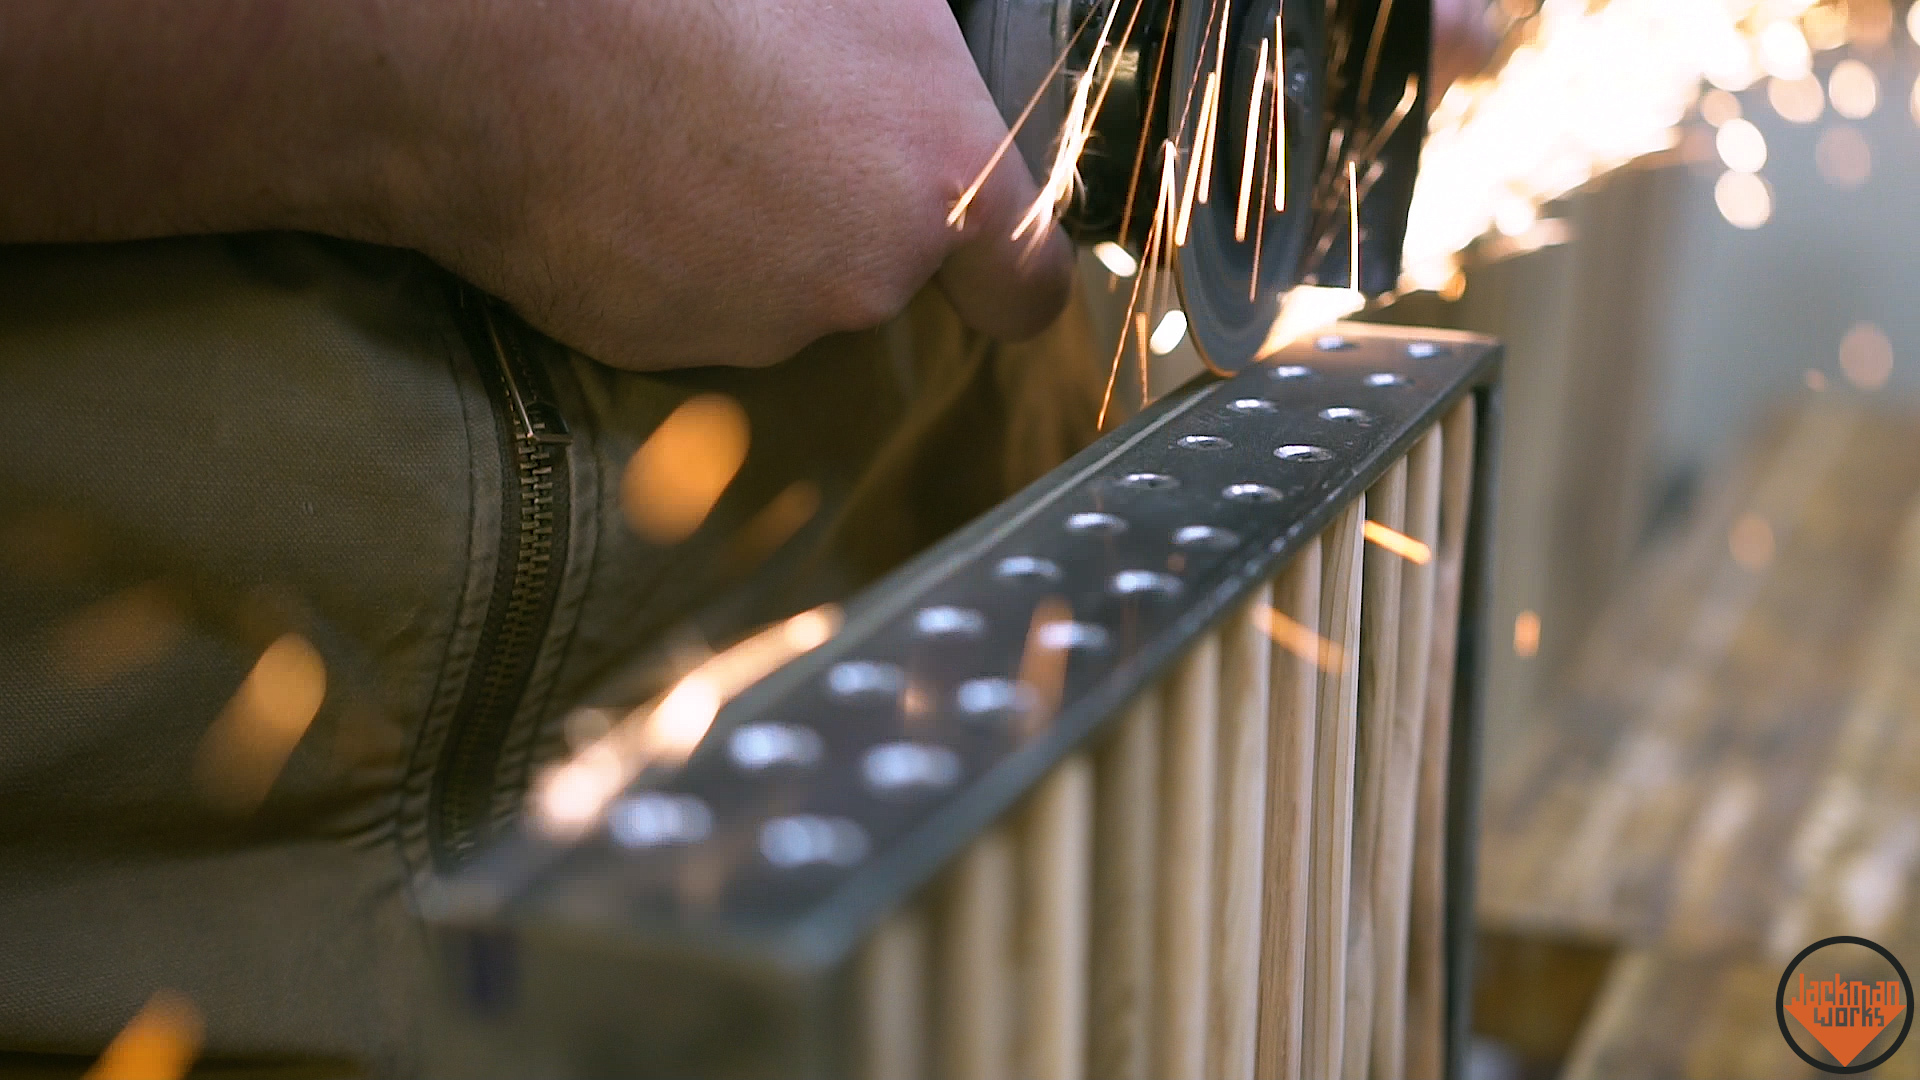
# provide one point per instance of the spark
(1154, 234)
(674, 480)
(159, 1043)
(1397, 542)
(1526, 634)
(959, 211)
(1353, 228)
(1279, 115)
(1193, 163)
(1297, 639)
(1146, 124)
(1372, 63)
(247, 745)
(1079, 126)
(571, 797)
(1212, 108)
(1247, 159)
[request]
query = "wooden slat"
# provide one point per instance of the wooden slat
(977, 988)
(1295, 676)
(1241, 840)
(1393, 861)
(1189, 794)
(1056, 873)
(1426, 931)
(1338, 699)
(1379, 667)
(894, 973)
(1126, 838)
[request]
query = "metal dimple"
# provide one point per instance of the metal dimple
(1202, 442)
(1027, 568)
(1252, 405)
(990, 695)
(1387, 378)
(1149, 481)
(1346, 414)
(1332, 343)
(1290, 371)
(1096, 523)
(755, 747)
(900, 767)
(1303, 452)
(658, 819)
(1252, 493)
(799, 840)
(1144, 583)
(1064, 635)
(948, 621)
(1423, 350)
(1205, 537)
(863, 678)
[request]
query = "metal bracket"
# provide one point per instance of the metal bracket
(825, 795)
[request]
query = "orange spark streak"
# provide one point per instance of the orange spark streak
(1193, 165)
(1140, 149)
(1373, 47)
(1298, 640)
(1397, 542)
(1213, 120)
(1140, 357)
(1247, 159)
(1279, 116)
(1353, 227)
(960, 205)
(1155, 237)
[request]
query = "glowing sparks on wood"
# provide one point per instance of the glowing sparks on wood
(1299, 640)
(1389, 539)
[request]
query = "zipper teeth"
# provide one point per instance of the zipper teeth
(462, 807)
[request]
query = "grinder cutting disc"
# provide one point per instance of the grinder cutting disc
(1230, 287)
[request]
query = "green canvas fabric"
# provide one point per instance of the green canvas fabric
(211, 443)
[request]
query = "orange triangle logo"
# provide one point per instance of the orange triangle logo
(1844, 1015)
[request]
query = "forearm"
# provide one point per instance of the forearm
(134, 118)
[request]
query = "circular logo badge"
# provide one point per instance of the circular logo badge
(1840, 997)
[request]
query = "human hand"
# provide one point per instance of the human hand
(664, 183)
(658, 183)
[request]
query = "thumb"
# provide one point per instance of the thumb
(1002, 286)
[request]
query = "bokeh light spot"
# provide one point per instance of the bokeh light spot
(675, 478)
(1843, 157)
(1854, 90)
(1744, 199)
(1866, 356)
(1800, 101)
(1750, 541)
(1718, 106)
(159, 1043)
(1526, 634)
(248, 744)
(1741, 146)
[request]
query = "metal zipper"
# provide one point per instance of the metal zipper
(534, 513)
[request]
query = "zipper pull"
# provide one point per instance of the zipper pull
(538, 418)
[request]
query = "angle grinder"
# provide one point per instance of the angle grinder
(1348, 79)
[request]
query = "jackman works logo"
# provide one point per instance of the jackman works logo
(1840, 997)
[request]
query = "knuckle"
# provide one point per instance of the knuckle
(871, 291)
